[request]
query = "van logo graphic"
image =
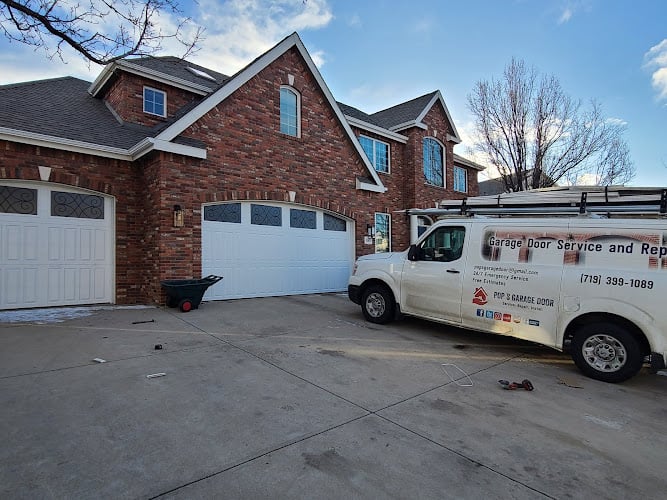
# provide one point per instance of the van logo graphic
(479, 297)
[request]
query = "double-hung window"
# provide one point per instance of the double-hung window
(460, 180)
(434, 161)
(155, 102)
(382, 232)
(290, 112)
(377, 152)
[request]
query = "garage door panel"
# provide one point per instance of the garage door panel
(48, 260)
(262, 260)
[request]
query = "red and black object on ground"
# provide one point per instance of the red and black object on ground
(187, 294)
(510, 386)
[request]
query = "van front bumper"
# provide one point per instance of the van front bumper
(354, 293)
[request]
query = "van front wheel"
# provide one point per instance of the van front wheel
(377, 303)
(607, 352)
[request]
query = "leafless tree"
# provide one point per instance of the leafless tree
(536, 136)
(102, 31)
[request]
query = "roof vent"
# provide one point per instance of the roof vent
(201, 73)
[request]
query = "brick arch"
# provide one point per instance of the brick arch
(281, 196)
(57, 177)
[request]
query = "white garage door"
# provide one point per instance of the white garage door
(267, 249)
(56, 246)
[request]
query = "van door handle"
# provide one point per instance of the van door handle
(453, 271)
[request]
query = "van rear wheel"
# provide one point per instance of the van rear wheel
(607, 352)
(377, 303)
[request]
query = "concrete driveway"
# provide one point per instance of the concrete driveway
(299, 397)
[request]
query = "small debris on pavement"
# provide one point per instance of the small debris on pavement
(158, 347)
(155, 375)
(510, 386)
(569, 383)
(140, 322)
(100, 360)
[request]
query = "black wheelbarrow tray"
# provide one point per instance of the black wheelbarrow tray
(187, 294)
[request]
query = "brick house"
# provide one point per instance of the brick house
(164, 169)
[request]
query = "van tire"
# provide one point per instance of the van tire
(378, 304)
(606, 351)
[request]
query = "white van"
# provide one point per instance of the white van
(592, 286)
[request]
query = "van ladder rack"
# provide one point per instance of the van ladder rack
(618, 201)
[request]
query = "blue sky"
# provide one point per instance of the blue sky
(375, 54)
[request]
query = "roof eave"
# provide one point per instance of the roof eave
(137, 151)
(367, 186)
(151, 74)
(369, 127)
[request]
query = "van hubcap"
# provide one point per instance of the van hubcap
(604, 353)
(375, 305)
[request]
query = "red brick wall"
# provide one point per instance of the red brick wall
(126, 96)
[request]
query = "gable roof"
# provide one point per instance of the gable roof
(244, 75)
(411, 113)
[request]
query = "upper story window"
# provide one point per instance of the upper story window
(290, 112)
(155, 102)
(377, 152)
(460, 180)
(434, 161)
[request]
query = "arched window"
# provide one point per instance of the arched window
(290, 112)
(434, 161)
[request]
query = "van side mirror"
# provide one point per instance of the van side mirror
(414, 253)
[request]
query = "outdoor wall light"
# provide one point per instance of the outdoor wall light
(179, 219)
(370, 230)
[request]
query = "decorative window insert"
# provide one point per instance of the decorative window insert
(265, 215)
(17, 200)
(303, 219)
(290, 112)
(382, 232)
(332, 223)
(81, 206)
(155, 102)
(433, 162)
(228, 212)
(377, 152)
(460, 180)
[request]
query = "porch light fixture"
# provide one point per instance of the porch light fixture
(370, 230)
(179, 219)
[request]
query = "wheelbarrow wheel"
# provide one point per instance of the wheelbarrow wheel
(185, 305)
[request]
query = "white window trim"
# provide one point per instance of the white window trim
(143, 97)
(444, 162)
(372, 160)
(388, 229)
(298, 110)
(465, 171)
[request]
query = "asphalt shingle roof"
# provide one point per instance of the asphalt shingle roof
(401, 113)
(178, 68)
(358, 114)
(62, 107)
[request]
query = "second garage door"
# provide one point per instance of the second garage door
(267, 249)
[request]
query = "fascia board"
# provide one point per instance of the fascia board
(468, 163)
(452, 138)
(60, 143)
(406, 125)
(376, 130)
(135, 152)
(151, 74)
(367, 186)
(427, 108)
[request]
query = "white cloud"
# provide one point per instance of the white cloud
(616, 121)
(565, 16)
(656, 60)
(237, 31)
(354, 21)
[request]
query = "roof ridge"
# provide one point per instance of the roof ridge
(428, 94)
(44, 80)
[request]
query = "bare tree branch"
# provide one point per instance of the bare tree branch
(102, 31)
(536, 135)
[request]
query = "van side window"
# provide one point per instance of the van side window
(445, 244)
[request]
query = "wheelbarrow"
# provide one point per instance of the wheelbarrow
(187, 294)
